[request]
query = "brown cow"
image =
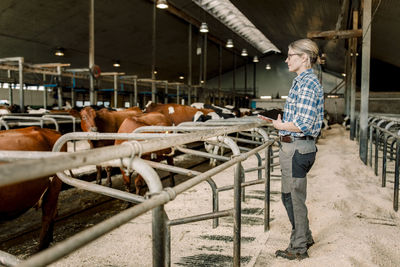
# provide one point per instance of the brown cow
(175, 112)
(128, 126)
(16, 199)
(104, 121)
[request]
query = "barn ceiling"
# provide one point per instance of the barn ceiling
(33, 29)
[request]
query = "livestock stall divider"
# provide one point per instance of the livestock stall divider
(384, 132)
(58, 70)
(127, 155)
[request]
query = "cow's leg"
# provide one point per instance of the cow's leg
(98, 177)
(127, 180)
(140, 185)
(170, 161)
(108, 181)
(49, 212)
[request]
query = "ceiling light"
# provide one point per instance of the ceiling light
(344, 74)
(244, 52)
(322, 59)
(155, 71)
(202, 81)
(59, 52)
(117, 64)
(235, 20)
(268, 67)
(229, 43)
(181, 77)
(203, 27)
(255, 59)
(162, 4)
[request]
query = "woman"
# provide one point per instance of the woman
(301, 124)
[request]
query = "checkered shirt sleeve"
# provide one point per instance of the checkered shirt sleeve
(305, 105)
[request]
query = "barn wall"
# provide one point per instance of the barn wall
(31, 97)
(277, 80)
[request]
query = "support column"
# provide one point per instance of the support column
(254, 79)
(153, 65)
(234, 80)
(59, 89)
(10, 90)
(205, 60)
(115, 91)
(201, 63)
(245, 76)
(166, 93)
(72, 92)
(135, 93)
(21, 84)
(353, 79)
(219, 73)
(177, 93)
(45, 98)
(365, 70)
(189, 92)
(91, 52)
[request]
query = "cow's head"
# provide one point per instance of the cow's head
(88, 115)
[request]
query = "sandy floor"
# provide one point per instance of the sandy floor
(350, 214)
(351, 217)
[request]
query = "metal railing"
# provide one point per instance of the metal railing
(385, 134)
(24, 119)
(127, 156)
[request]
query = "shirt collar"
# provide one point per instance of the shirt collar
(303, 74)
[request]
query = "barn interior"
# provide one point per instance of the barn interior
(144, 39)
(227, 53)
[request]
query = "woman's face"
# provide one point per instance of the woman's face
(296, 61)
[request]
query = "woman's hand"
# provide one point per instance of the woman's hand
(287, 126)
(278, 123)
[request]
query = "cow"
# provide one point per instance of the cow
(128, 126)
(6, 109)
(245, 112)
(178, 113)
(104, 121)
(16, 199)
(272, 113)
(346, 122)
(326, 125)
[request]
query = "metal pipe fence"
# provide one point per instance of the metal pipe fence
(386, 139)
(127, 156)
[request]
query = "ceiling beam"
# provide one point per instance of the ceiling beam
(345, 34)
(343, 12)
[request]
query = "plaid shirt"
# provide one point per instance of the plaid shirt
(305, 105)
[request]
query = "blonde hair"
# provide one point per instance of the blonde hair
(308, 47)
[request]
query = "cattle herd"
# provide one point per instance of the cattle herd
(18, 198)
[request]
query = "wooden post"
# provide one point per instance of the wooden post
(365, 69)
(353, 79)
(348, 79)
